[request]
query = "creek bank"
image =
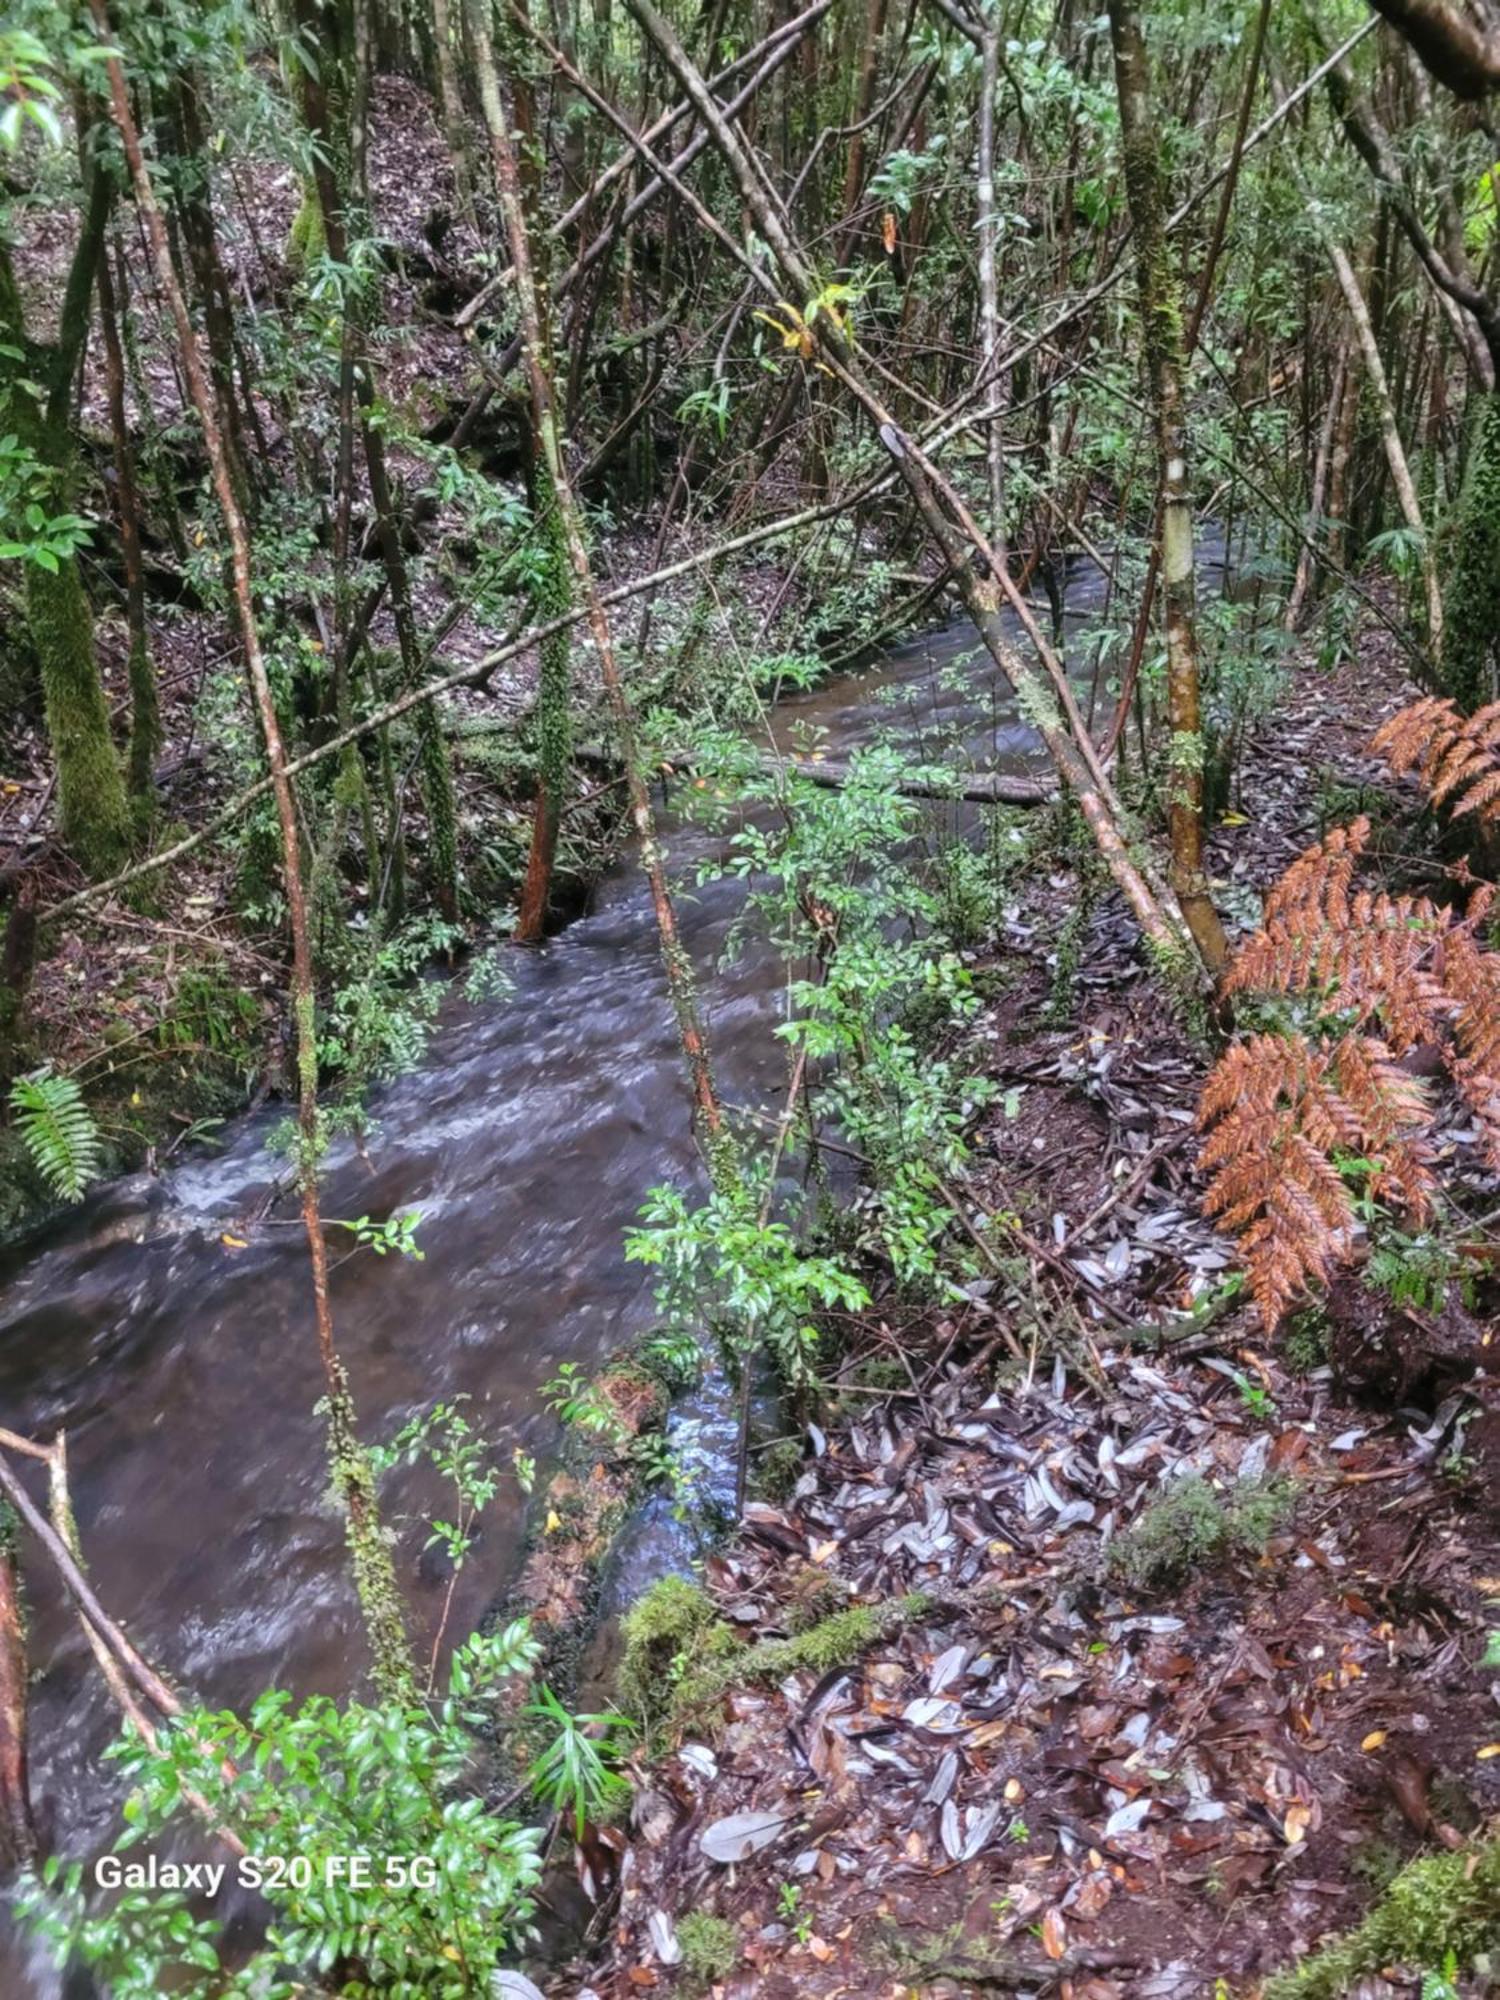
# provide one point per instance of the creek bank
(1135, 1668)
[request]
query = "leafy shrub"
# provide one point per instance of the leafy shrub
(321, 1781)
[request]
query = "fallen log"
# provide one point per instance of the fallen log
(994, 788)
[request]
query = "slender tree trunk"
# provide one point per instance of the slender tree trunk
(184, 127)
(989, 288)
(450, 97)
(554, 700)
(864, 97)
(1390, 430)
(18, 1841)
(1317, 499)
(336, 151)
(714, 1135)
(145, 708)
(374, 1572)
(1165, 357)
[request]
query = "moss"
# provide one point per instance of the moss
(93, 813)
(1192, 1526)
(660, 1630)
(710, 1946)
(145, 730)
(778, 1469)
(833, 1642)
(307, 242)
(1470, 666)
(1443, 1903)
(1304, 1345)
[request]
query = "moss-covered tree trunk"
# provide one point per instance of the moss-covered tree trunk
(1471, 647)
(93, 813)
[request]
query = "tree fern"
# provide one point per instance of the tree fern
(58, 1131)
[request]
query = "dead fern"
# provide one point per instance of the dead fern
(1456, 756)
(1279, 1111)
(1382, 976)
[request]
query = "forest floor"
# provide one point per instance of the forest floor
(1039, 1767)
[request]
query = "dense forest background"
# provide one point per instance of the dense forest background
(455, 455)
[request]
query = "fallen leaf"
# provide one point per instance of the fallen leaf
(741, 1835)
(1374, 1740)
(1054, 1934)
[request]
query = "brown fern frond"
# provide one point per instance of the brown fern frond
(1368, 953)
(1456, 757)
(1410, 733)
(1279, 1111)
(1391, 1110)
(1276, 1110)
(1471, 977)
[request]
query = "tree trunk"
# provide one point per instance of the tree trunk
(145, 708)
(334, 156)
(93, 814)
(450, 97)
(1165, 358)
(1471, 651)
(989, 292)
(1390, 430)
(1306, 567)
(18, 1841)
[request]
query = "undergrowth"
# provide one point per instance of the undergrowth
(1440, 1905)
(1192, 1526)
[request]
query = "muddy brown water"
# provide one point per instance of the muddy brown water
(184, 1370)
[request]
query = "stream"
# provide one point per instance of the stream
(184, 1369)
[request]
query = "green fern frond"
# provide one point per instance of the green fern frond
(58, 1131)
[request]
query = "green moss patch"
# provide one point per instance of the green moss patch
(1192, 1526)
(1445, 1903)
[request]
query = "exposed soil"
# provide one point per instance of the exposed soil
(1070, 1771)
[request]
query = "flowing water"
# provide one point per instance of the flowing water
(184, 1369)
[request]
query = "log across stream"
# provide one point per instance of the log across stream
(183, 1367)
